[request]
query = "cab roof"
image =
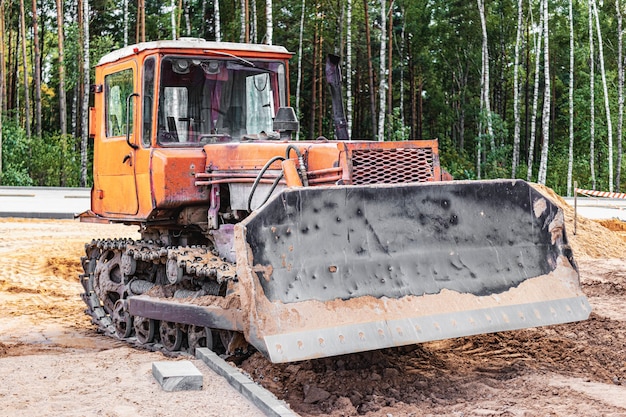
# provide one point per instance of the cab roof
(192, 44)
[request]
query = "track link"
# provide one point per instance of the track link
(115, 269)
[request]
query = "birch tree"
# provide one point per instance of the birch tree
(620, 93)
(173, 18)
(485, 81)
(254, 35)
(533, 125)
(25, 72)
(516, 89)
(349, 68)
(592, 100)
(545, 119)
(370, 68)
(218, 29)
(570, 159)
(244, 22)
(269, 22)
(607, 107)
(85, 104)
(62, 98)
(299, 82)
(2, 78)
(37, 69)
(125, 12)
(382, 76)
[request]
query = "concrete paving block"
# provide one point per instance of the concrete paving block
(177, 376)
(262, 398)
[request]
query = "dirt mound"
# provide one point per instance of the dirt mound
(588, 238)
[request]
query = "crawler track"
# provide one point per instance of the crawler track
(115, 269)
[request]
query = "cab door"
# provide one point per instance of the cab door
(116, 146)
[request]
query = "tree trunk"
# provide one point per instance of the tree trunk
(125, 12)
(173, 19)
(607, 107)
(25, 62)
(243, 37)
(85, 105)
(218, 29)
(254, 26)
(349, 69)
(2, 78)
(313, 87)
(533, 115)
(545, 120)
(62, 98)
(389, 69)
(620, 94)
(370, 67)
(37, 70)
(299, 82)
(516, 111)
(592, 101)
(570, 158)
(269, 22)
(485, 81)
(382, 77)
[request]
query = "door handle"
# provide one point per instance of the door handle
(128, 158)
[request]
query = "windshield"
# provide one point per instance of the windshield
(216, 100)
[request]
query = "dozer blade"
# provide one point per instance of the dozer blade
(335, 270)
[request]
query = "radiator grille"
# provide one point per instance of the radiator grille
(392, 166)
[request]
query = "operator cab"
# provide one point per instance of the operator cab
(211, 100)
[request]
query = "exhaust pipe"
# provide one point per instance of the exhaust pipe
(333, 77)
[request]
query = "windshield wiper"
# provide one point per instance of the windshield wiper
(245, 61)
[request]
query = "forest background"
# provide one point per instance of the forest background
(528, 89)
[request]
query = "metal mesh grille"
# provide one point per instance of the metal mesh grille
(392, 166)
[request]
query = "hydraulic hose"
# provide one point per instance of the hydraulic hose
(258, 180)
(303, 176)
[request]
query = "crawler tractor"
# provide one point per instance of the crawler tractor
(298, 249)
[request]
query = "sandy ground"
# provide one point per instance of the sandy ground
(52, 362)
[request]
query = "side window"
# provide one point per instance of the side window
(118, 87)
(260, 103)
(148, 99)
(175, 105)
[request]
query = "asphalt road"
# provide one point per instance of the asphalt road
(65, 203)
(43, 202)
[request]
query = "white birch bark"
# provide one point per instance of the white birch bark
(173, 18)
(545, 119)
(125, 13)
(382, 77)
(62, 98)
(270, 27)
(299, 83)
(254, 33)
(592, 101)
(533, 125)
(218, 23)
(620, 93)
(485, 81)
(25, 64)
(570, 156)
(242, 37)
(349, 69)
(187, 19)
(607, 106)
(85, 104)
(2, 76)
(516, 109)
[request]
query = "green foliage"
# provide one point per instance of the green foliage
(52, 160)
(15, 155)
